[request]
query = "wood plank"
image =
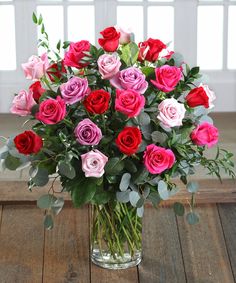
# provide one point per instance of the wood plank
(228, 221)
(162, 257)
(204, 250)
(211, 191)
(21, 244)
(66, 253)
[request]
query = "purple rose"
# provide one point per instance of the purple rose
(74, 90)
(130, 78)
(87, 133)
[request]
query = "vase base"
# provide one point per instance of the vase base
(107, 261)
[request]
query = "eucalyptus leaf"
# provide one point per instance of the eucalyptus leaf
(114, 166)
(125, 181)
(154, 198)
(192, 218)
(134, 198)
(48, 222)
(123, 196)
(141, 176)
(12, 163)
(192, 186)
(163, 190)
(159, 137)
(206, 118)
(46, 201)
(179, 59)
(179, 208)
(144, 119)
(57, 206)
(66, 169)
(140, 211)
(3, 152)
(41, 178)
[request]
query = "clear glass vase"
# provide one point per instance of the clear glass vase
(116, 236)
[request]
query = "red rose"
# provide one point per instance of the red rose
(97, 102)
(129, 140)
(28, 142)
(76, 53)
(199, 97)
(110, 40)
(56, 70)
(149, 50)
(37, 90)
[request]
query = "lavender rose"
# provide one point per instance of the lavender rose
(108, 65)
(88, 133)
(93, 163)
(130, 78)
(74, 90)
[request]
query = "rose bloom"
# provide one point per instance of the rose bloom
(108, 65)
(56, 70)
(88, 133)
(129, 140)
(51, 111)
(158, 159)
(130, 78)
(74, 90)
(97, 102)
(171, 112)
(125, 35)
(167, 77)
(36, 67)
(37, 90)
(149, 50)
(129, 102)
(110, 40)
(75, 54)
(201, 96)
(23, 103)
(28, 142)
(205, 134)
(93, 163)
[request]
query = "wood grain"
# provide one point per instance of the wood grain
(66, 254)
(21, 245)
(204, 251)
(162, 258)
(228, 221)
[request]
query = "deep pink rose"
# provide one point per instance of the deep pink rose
(108, 65)
(93, 163)
(52, 111)
(129, 102)
(74, 90)
(158, 159)
(75, 54)
(88, 133)
(205, 134)
(36, 67)
(130, 78)
(167, 77)
(22, 103)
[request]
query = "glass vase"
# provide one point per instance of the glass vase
(116, 236)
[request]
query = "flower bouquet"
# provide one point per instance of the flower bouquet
(116, 125)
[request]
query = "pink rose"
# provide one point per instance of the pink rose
(205, 134)
(52, 111)
(22, 103)
(88, 133)
(74, 90)
(130, 78)
(157, 159)
(125, 35)
(108, 65)
(93, 163)
(36, 67)
(171, 112)
(167, 77)
(129, 102)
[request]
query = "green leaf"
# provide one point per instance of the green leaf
(59, 45)
(141, 176)
(178, 208)
(42, 29)
(101, 197)
(159, 137)
(125, 181)
(34, 18)
(163, 190)
(144, 119)
(129, 53)
(192, 218)
(130, 166)
(40, 19)
(84, 192)
(154, 198)
(12, 163)
(66, 169)
(48, 222)
(114, 166)
(194, 71)
(192, 187)
(46, 201)
(148, 71)
(41, 178)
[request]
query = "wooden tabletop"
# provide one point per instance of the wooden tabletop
(174, 251)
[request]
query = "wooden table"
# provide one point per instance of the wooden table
(174, 252)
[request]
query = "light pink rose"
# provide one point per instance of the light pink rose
(108, 65)
(36, 67)
(171, 112)
(129, 102)
(93, 163)
(167, 77)
(130, 78)
(158, 159)
(23, 103)
(205, 134)
(125, 35)
(210, 94)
